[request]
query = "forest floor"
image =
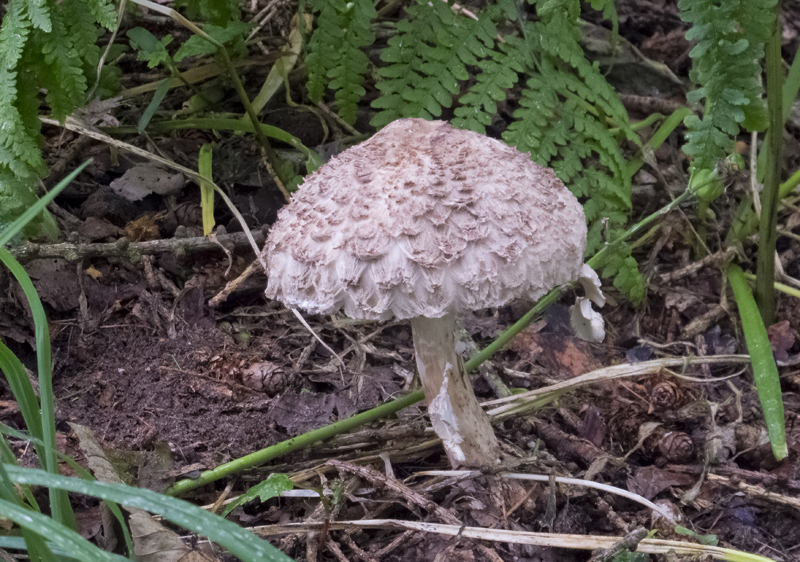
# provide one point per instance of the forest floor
(172, 386)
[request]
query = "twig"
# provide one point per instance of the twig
(628, 543)
(717, 258)
(376, 478)
(132, 250)
(223, 295)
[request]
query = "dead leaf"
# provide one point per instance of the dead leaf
(565, 356)
(649, 481)
(526, 344)
(781, 338)
(144, 179)
(89, 521)
(56, 283)
(93, 273)
(155, 543)
(152, 541)
(143, 229)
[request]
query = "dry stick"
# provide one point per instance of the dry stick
(376, 478)
(123, 248)
(556, 540)
(506, 406)
(758, 492)
(561, 480)
(628, 543)
(360, 552)
(231, 286)
(717, 258)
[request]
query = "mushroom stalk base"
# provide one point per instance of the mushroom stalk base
(456, 415)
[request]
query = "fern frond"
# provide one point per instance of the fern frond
(622, 267)
(730, 37)
(18, 150)
(39, 14)
(498, 74)
(60, 67)
(103, 12)
(336, 58)
(14, 33)
(83, 34)
(428, 57)
(44, 45)
(557, 127)
(563, 119)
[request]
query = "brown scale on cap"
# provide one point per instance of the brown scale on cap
(421, 220)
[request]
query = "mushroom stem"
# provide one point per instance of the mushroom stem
(456, 416)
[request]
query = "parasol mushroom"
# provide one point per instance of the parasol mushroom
(421, 222)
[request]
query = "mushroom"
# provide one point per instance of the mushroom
(424, 221)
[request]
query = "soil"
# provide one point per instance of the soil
(145, 362)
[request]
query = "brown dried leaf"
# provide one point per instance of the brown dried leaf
(144, 179)
(781, 339)
(649, 481)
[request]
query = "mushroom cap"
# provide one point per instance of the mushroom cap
(424, 219)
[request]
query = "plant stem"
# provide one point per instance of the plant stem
(296, 443)
(765, 273)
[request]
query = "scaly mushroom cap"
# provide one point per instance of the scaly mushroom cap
(420, 220)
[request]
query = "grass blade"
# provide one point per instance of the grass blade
(9, 232)
(63, 537)
(230, 536)
(59, 502)
(765, 371)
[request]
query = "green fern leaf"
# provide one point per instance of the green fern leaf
(730, 36)
(103, 12)
(60, 67)
(336, 59)
(13, 34)
(84, 34)
(215, 12)
(556, 126)
(498, 74)
(627, 278)
(45, 45)
(39, 14)
(428, 57)
(19, 151)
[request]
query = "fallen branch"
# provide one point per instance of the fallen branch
(133, 251)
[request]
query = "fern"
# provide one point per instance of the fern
(60, 66)
(730, 37)
(216, 12)
(562, 123)
(428, 57)
(336, 58)
(498, 73)
(19, 150)
(44, 45)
